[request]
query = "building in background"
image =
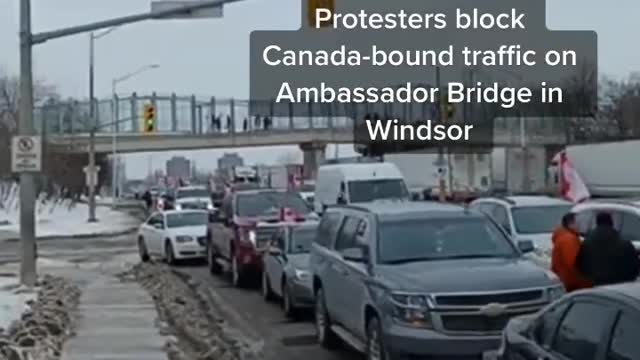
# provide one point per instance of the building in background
(179, 167)
(230, 160)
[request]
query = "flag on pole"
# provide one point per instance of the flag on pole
(572, 187)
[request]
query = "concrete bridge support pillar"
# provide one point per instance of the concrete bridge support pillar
(313, 154)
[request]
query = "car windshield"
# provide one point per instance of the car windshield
(307, 188)
(187, 219)
(301, 240)
(370, 190)
(538, 219)
(402, 241)
(270, 203)
(192, 193)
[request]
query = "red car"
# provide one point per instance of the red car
(236, 240)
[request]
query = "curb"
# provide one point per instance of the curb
(81, 236)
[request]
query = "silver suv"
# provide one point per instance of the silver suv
(418, 279)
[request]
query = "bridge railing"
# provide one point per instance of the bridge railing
(194, 115)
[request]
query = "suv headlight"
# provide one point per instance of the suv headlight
(252, 237)
(184, 239)
(411, 310)
(178, 207)
(302, 275)
(555, 293)
(210, 206)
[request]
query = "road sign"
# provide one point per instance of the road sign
(26, 154)
(91, 179)
(165, 5)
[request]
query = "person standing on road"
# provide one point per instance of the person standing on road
(605, 258)
(148, 201)
(566, 246)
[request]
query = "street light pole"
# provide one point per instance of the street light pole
(28, 274)
(92, 153)
(115, 185)
(114, 162)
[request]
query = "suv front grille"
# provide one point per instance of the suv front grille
(264, 235)
(477, 323)
(484, 299)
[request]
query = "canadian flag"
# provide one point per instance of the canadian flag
(572, 187)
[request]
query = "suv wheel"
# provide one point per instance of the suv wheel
(289, 308)
(236, 272)
(326, 337)
(267, 292)
(375, 349)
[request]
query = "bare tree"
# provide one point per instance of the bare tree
(620, 103)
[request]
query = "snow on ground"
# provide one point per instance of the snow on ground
(12, 302)
(55, 219)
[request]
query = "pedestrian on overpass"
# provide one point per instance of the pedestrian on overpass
(245, 124)
(256, 122)
(229, 123)
(564, 254)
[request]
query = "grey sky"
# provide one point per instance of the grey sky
(210, 57)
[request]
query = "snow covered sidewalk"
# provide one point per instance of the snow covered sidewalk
(62, 221)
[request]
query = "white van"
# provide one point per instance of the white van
(358, 183)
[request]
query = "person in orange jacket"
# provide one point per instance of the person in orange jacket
(564, 254)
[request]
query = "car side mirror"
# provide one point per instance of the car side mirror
(158, 226)
(526, 246)
(356, 254)
(274, 251)
(341, 200)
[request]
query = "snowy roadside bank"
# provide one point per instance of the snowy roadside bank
(63, 221)
(41, 330)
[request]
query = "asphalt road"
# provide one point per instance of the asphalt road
(74, 250)
(283, 338)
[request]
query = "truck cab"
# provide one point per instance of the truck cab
(240, 231)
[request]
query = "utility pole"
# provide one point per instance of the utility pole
(92, 134)
(526, 181)
(28, 274)
(441, 160)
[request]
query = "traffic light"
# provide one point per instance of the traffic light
(314, 5)
(149, 119)
(449, 111)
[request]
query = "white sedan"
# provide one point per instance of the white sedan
(174, 235)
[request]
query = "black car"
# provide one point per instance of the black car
(596, 324)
